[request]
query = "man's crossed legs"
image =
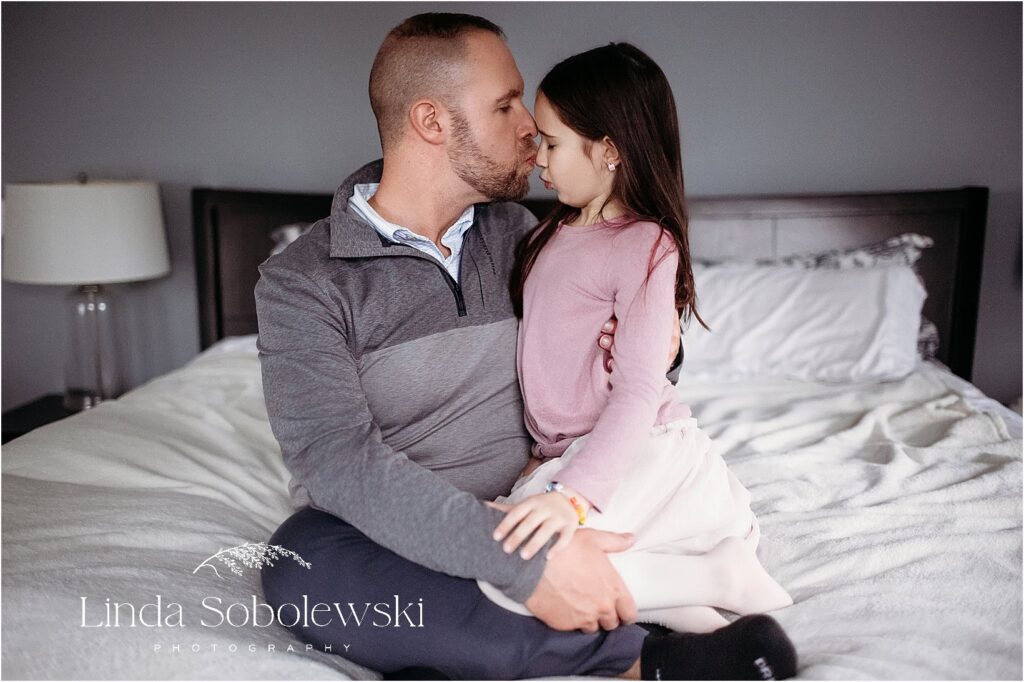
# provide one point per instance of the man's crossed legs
(463, 635)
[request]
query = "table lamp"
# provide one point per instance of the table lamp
(86, 233)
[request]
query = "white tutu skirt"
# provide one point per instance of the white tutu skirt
(678, 498)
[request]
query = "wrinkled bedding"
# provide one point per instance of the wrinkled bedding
(890, 511)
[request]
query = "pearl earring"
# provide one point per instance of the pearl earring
(611, 166)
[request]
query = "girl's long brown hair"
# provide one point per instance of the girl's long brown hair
(619, 92)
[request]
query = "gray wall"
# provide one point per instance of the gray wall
(773, 98)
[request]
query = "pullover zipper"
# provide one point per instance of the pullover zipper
(460, 302)
(456, 287)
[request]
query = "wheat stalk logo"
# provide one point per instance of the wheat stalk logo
(251, 555)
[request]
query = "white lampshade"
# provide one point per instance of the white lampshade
(97, 232)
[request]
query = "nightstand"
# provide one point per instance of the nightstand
(41, 411)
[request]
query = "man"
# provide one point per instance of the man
(387, 343)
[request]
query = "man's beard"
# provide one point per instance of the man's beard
(479, 171)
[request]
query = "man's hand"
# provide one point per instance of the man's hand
(580, 589)
(607, 339)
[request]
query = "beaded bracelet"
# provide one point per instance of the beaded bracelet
(581, 513)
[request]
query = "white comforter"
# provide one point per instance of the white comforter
(891, 512)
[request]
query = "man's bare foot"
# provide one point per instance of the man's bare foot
(751, 589)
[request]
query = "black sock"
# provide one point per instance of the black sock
(752, 648)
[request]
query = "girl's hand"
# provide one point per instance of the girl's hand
(539, 518)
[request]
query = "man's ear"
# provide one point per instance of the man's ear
(427, 120)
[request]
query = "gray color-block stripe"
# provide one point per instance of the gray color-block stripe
(477, 440)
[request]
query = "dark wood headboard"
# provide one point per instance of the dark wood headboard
(232, 238)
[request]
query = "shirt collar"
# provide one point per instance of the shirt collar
(359, 203)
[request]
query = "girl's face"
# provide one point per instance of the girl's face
(579, 177)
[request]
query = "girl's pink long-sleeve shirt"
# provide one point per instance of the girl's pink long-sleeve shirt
(580, 279)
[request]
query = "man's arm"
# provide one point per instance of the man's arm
(677, 359)
(332, 446)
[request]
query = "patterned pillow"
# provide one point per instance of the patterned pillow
(904, 249)
(927, 339)
(286, 234)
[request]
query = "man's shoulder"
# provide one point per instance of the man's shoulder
(308, 255)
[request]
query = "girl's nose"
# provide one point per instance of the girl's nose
(542, 156)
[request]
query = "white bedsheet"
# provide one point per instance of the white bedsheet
(891, 512)
(123, 502)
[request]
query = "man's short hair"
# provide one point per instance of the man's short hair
(419, 58)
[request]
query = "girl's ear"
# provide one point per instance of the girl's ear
(611, 152)
(428, 121)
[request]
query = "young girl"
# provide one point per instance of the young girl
(619, 451)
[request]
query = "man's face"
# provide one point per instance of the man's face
(492, 148)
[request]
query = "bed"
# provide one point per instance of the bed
(891, 510)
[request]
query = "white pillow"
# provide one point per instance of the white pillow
(903, 249)
(834, 325)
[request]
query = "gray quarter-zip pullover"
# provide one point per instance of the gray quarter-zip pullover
(392, 389)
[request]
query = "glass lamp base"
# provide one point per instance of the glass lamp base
(92, 371)
(76, 399)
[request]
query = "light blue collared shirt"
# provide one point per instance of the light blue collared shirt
(452, 237)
